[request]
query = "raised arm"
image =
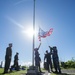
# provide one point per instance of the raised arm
(50, 49)
(39, 46)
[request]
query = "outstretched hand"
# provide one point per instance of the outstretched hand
(39, 45)
(49, 46)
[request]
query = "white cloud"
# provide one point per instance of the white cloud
(23, 64)
(30, 63)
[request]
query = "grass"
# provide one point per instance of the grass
(21, 72)
(13, 73)
(16, 72)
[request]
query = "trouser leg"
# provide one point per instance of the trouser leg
(51, 65)
(55, 65)
(7, 64)
(39, 67)
(58, 67)
(5, 68)
(48, 66)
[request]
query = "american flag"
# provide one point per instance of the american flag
(43, 34)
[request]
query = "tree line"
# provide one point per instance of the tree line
(68, 64)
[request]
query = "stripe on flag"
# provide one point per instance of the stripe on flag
(43, 34)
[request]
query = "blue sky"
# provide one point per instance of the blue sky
(17, 15)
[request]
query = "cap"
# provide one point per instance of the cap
(17, 53)
(10, 43)
(46, 50)
(54, 47)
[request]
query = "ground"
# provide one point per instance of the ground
(23, 72)
(14, 72)
(66, 72)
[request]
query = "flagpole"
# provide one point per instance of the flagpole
(33, 34)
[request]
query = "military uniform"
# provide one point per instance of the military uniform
(16, 61)
(48, 61)
(37, 58)
(7, 59)
(15, 66)
(56, 60)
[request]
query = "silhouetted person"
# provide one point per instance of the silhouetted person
(8, 58)
(15, 66)
(45, 63)
(56, 60)
(16, 61)
(39, 64)
(48, 60)
(37, 58)
(36, 54)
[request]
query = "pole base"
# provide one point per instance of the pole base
(33, 70)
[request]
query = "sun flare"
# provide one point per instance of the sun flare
(29, 32)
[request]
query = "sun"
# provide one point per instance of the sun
(29, 32)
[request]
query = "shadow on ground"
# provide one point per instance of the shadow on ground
(1, 74)
(65, 74)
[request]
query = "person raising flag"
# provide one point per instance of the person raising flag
(37, 57)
